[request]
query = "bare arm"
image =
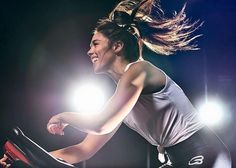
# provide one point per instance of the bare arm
(84, 150)
(121, 103)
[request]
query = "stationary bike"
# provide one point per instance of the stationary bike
(23, 152)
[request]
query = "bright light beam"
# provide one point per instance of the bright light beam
(86, 98)
(211, 113)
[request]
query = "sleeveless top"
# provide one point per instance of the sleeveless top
(164, 118)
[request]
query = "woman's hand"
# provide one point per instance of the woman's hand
(56, 125)
(3, 162)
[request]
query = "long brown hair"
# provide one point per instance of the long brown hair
(146, 21)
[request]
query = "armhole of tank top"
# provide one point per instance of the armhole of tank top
(166, 82)
(163, 88)
(166, 79)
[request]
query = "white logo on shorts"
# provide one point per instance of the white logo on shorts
(197, 160)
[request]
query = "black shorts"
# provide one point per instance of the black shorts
(202, 150)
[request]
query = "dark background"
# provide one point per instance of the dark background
(43, 47)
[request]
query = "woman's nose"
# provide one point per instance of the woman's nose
(89, 53)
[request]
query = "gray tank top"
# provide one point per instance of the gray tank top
(164, 118)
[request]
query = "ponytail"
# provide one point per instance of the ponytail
(145, 19)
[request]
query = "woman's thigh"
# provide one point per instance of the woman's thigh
(202, 150)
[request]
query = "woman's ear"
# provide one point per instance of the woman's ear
(118, 46)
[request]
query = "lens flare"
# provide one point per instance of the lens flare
(211, 112)
(86, 97)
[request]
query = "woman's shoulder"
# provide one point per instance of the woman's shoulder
(135, 70)
(155, 78)
(144, 66)
(141, 64)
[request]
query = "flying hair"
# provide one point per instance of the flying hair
(162, 35)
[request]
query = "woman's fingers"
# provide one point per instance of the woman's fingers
(4, 158)
(53, 125)
(3, 162)
(56, 128)
(50, 128)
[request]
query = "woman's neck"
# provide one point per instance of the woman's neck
(117, 69)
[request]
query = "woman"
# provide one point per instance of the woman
(146, 99)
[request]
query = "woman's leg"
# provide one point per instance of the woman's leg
(202, 150)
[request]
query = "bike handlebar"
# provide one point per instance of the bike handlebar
(20, 147)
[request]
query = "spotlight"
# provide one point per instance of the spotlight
(86, 97)
(211, 112)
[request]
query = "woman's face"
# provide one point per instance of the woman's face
(101, 53)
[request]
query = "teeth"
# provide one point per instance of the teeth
(94, 59)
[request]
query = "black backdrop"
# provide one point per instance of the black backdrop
(43, 45)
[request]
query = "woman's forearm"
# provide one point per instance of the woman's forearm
(113, 113)
(72, 154)
(85, 149)
(82, 122)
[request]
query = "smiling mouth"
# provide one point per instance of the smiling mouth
(94, 59)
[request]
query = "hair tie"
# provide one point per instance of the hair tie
(125, 20)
